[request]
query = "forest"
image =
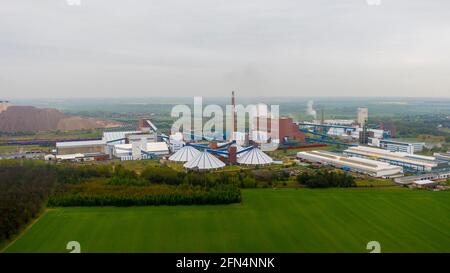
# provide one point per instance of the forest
(23, 193)
(27, 187)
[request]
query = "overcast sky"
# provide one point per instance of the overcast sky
(140, 48)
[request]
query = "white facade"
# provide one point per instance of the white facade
(361, 165)
(79, 144)
(443, 156)
(400, 146)
(376, 133)
(176, 142)
(156, 148)
(149, 137)
(343, 122)
(417, 162)
(428, 176)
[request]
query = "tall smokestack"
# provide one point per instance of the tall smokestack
(233, 103)
(232, 158)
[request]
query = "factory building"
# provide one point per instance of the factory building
(287, 129)
(139, 150)
(374, 133)
(407, 180)
(79, 157)
(117, 137)
(342, 122)
(360, 165)
(364, 136)
(408, 161)
(80, 147)
(397, 146)
(126, 145)
(443, 156)
(176, 142)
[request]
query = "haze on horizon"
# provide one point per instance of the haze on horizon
(135, 48)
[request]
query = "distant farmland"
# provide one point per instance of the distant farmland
(331, 220)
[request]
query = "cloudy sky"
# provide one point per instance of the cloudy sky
(141, 48)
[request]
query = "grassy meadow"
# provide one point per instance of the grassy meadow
(267, 220)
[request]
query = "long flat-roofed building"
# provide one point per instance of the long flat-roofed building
(397, 146)
(80, 147)
(409, 161)
(355, 164)
(407, 180)
(443, 156)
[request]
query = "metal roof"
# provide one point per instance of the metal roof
(111, 136)
(254, 157)
(86, 143)
(204, 161)
(185, 154)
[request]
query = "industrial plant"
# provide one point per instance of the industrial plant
(360, 149)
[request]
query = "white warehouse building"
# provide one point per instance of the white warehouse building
(397, 146)
(125, 151)
(360, 165)
(410, 161)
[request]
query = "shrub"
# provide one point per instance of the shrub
(326, 179)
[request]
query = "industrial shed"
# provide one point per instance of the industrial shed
(405, 160)
(156, 148)
(80, 147)
(355, 164)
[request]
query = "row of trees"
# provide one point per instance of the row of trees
(145, 196)
(326, 179)
(119, 175)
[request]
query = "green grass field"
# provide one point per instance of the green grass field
(288, 220)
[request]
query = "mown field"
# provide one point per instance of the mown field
(268, 220)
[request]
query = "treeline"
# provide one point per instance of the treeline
(145, 196)
(415, 125)
(326, 179)
(155, 185)
(26, 187)
(23, 193)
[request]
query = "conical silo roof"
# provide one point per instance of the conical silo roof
(204, 161)
(254, 157)
(185, 154)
